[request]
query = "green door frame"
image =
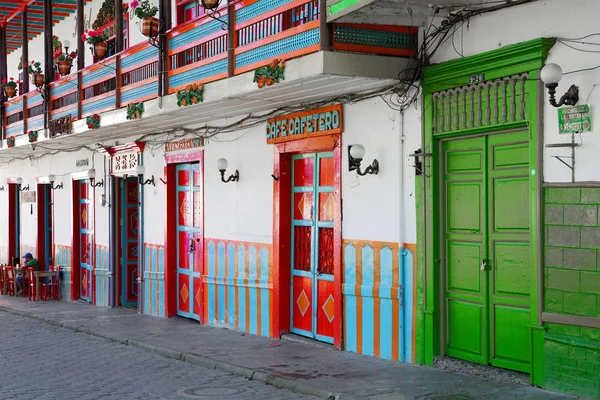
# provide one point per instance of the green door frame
(527, 57)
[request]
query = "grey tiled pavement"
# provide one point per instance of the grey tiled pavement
(301, 368)
(42, 361)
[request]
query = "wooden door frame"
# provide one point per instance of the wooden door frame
(41, 216)
(171, 161)
(76, 237)
(523, 58)
(13, 192)
(282, 188)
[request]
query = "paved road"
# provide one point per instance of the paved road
(40, 361)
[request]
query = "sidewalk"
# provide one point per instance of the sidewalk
(300, 367)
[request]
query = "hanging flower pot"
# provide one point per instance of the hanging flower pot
(64, 67)
(10, 91)
(37, 80)
(150, 26)
(100, 49)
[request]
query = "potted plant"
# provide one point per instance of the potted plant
(146, 13)
(98, 39)
(10, 87)
(35, 71)
(65, 62)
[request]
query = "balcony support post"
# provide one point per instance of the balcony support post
(3, 73)
(118, 27)
(231, 39)
(48, 61)
(80, 42)
(24, 53)
(324, 28)
(164, 16)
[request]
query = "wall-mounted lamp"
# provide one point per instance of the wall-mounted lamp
(552, 74)
(2, 188)
(139, 171)
(51, 179)
(222, 167)
(19, 181)
(24, 189)
(356, 153)
(92, 177)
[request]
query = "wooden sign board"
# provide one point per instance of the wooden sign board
(28, 197)
(184, 144)
(319, 122)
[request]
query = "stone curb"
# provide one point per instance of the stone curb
(191, 358)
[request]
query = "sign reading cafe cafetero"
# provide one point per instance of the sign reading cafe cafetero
(305, 124)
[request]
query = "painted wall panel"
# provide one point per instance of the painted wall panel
(238, 285)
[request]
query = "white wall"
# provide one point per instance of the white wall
(154, 196)
(549, 18)
(239, 210)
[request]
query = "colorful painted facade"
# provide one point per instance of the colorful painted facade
(283, 188)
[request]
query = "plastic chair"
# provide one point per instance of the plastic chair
(2, 278)
(10, 281)
(25, 282)
(52, 288)
(31, 292)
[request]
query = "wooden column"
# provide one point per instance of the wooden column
(48, 70)
(324, 28)
(80, 43)
(231, 39)
(164, 17)
(25, 52)
(118, 26)
(3, 73)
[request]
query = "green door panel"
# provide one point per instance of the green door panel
(512, 344)
(465, 327)
(464, 236)
(486, 255)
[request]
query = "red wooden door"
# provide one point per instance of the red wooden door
(313, 210)
(189, 241)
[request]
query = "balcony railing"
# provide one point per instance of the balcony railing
(197, 52)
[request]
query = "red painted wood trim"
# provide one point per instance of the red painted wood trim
(197, 64)
(200, 82)
(41, 209)
(390, 28)
(373, 49)
(135, 146)
(75, 240)
(196, 22)
(293, 54)
(99, 97)
(197, 42)
(282, 228)
(12, 221)
(138, 84)
(93, 255)
(271, 13)
(59, 110)
(97, 81)
(287, 33)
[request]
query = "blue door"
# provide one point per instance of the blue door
(47, 258)
(86, 240)
(130, 213)
(189, 241)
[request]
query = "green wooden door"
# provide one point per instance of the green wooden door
(486, 249)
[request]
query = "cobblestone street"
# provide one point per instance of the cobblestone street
(40, 361)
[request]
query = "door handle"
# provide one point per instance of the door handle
(483, 265)
(192, 247)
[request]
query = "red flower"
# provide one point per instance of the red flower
(269, 81)
(73, 54)
(83, 37)
(3, 80)
(11, 78)
(261, 82)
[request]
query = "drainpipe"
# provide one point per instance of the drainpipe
(402, 251)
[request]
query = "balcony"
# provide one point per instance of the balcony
(197, 52)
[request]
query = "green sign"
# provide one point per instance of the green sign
(575, 119)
